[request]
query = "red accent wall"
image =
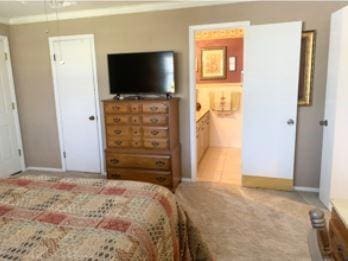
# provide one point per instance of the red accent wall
(234, 48)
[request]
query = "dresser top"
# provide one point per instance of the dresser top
(143, 100)
(341, 207)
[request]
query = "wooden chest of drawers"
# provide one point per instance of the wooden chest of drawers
(338, 234)
(142, 138)
(332, 243)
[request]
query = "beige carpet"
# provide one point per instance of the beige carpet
(250, 224)
(245, 224)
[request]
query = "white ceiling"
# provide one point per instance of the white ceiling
(18, 12)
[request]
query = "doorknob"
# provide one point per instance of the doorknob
(323, 123)
(91, 118)
(290, 122)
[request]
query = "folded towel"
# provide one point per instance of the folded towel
(235, 100)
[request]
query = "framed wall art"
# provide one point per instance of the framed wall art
(213, 63)
(306, 68)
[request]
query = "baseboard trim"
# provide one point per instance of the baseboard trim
(267, 183)
(45, 169)
(306, 189)
(186, 179)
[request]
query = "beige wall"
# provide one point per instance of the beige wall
(166, 30)
(4, 29)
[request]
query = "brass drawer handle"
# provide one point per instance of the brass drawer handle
(160, 163)
(134, 108)
(114, 161)
(117, 131)
(154, 108)
(135, 120)
(153, 120)
(155, 143)
(340, 250)
(117, 119)
(118, 142)
(160, 179)
(154, 132)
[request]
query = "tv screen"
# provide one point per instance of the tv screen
(141, 73)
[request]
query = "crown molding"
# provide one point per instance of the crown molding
(116, 11)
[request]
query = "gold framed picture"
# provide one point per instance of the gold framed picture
(213, 63)
(306, 68)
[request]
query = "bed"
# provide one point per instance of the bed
(54, 218)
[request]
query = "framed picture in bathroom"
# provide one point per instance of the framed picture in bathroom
(213, 63)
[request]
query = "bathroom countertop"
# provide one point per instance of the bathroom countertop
(200, 114)
(341, 207)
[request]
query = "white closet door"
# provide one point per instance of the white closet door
(75, 88)
(271, 74)
(334, 168)
(10, 145)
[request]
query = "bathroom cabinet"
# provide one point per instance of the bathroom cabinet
(202, 136)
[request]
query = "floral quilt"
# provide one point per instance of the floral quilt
(54, 218)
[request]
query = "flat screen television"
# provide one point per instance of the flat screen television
(141, 73)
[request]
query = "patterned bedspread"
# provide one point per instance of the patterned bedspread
(52, 218)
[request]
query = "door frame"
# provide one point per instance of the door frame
(192, 84)
(14, 100)
(89, 37)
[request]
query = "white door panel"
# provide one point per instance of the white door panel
(10, 161)
(334, 170)
(75, 88)
(270, 89)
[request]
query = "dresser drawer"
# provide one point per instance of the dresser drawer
(118, 131)
(116, 119)
(155, 120)
(116, 108)
(115, 142)
(156, 144)
(157, 177)
(155, 107)
(137, 161)
(136, 131)
(155, 132)
(135, 119)
(135, 107)
(124, 142)
(136, 143)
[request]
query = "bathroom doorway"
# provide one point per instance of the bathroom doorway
(243, 127)
(218, 119)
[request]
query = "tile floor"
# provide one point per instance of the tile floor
(221, 165)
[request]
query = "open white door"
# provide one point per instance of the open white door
(11, 160)
(271, 75)
(77, 102)
(334, 168)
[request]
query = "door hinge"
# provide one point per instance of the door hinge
(6, 56)
(64, 154)
(13, 105)
(19, 152)
(54, 57)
